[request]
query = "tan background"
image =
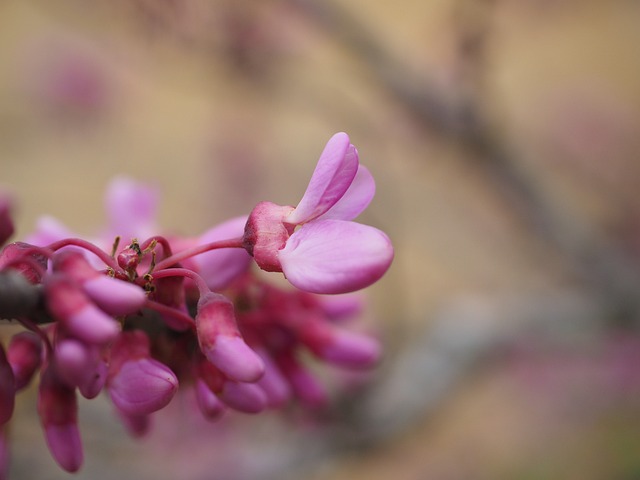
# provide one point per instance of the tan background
(515, 224)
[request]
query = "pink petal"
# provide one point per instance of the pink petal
(131, 208)
(243, 397)
(220, 267)
(114, 296)
(357, 197)
(235, 358)
(48, 230)
(65, 445)
(142, 387)
(334, 173)
(273, 383)
(335, 256)
(210, 405)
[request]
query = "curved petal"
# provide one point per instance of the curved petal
(334, 173)
(335, 256)
(357, 197)
(131, 208)
(220, 267)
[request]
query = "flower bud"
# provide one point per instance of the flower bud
(13, 252)
(340, 347)
(273, 383)
(210, 406)
(58, 410)
(81, 365)
(243, 397)
(116, 297)
(25, 355)
(220, 340)
(138, 385)
(76, 313)
(304, 384)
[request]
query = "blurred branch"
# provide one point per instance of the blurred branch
(462, 121)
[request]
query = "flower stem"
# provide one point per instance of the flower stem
(197, 250)
(78, 242)
(172, 312)
(182, 272)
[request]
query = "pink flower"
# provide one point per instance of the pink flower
(221, 342)
(138, 384)
(77, 313)
(58, 410)
(316, 244)
(24, 354)
(115, 297)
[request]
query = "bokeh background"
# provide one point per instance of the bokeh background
(504, 136)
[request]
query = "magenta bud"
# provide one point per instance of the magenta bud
(273, 383)
(13, 252)
(80, 365)
(25, 355)
(142, 386)
(243, 397)
(220, 340)
(137, 425)
(58, 410)
(7, 388)
(305, 386)
(116, 297)
(93, 385)
(341, 347)
(208, 402)
(76, 313)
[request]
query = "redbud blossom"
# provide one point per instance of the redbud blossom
(220, 340)
(76, 312)
(138, 384)
(80, 365)
(339, 346)
(304, 385)
(58, 410)
(24, 354)
(31, 270)
(208, 402)
(115, 297)
(316, 245)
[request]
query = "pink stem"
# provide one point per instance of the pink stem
(169, 311)
(166, 247)
(78, 242)
(197, 250)
(182, 272)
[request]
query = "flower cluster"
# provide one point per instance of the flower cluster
(139, 320)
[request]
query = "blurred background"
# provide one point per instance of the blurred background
(504, 136)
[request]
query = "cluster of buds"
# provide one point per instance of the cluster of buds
(138, 321)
